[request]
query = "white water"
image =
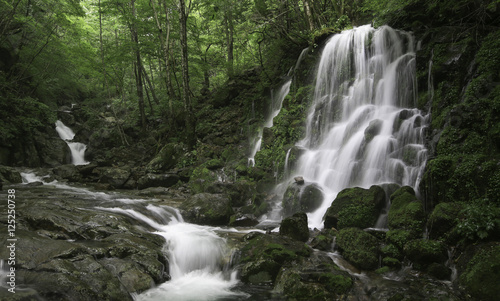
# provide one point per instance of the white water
(196, 259)
(276, 104)
(365, 79)
(77, 148)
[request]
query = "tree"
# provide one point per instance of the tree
(186, 97)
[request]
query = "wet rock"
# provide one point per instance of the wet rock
(359, 248)
(243, 220)
(423, 252)
(295, 227)
(373, 129)
(207, 209)
(306, 198)
(263, 255)
(479, 271)
(355, 207)
(9, 175)
(299, 180)
(68, 172)
(115, 176)
(73, 253)
(442, 220)
(316, 278)
(158, 180)
(406, 212)
(323, 240)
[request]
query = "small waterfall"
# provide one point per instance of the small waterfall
(77, 149)
(362, 127)
(196, 258)
(276, 103)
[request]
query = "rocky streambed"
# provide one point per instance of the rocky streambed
(77, 243)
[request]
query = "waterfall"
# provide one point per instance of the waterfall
(276, 103)
(77, 148)
(196, 258)
(363, 127)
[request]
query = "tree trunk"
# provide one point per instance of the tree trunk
(309, 17)
(138, 68)
(186, 97)
(228, 20)
(105, 83)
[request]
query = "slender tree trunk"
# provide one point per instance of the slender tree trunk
(105, 83)
(138, 68)
(309, 17)
(228, 20)
(150, 85)
(186, 97)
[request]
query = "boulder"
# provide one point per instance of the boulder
(359, 248)
(301, 197)
(373, 129)
(9, 175)
(406, 212)
(442, 220)
(423, 252)
(479, 271)
(316, 278)
(355, 207)
(323, 240)
(295, 227)
(158, 180)
(68, 172)
(207, 209)
(263, 255)
(115, 176)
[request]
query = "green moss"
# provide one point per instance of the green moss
(336, 283)
(383, 270)
(398, 237)
(359, 247)
(406, 212)
(423, 252)
(482, 274)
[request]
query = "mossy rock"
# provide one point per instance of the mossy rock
(263, 255)
(295, 227)
(316, 278)
(406, 212)
(359, 248)
(201, 179)
(207, 209)
(439, 271)
(302, 197)
(392, 251)
(443, 219)
(398, 238)
(355, 207)
(423, 252)
(323, 240)
(481, 274)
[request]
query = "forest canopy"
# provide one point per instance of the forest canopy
(131, 52)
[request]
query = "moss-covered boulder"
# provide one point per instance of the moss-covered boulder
(442, 220)
(302, 197)
(406, 212)
(295, 227)
(323, 240)
(359, 248)
(423, 252)
(207, 209)
(316, 278)
(355, 207)
(263, 255)
(479, 271)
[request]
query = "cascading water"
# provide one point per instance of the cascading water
(77, 148)
(195, 255)
(276, 103)
(362, 128)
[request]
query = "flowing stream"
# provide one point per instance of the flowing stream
(77, 149)
(199, 258)
(362, 127)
